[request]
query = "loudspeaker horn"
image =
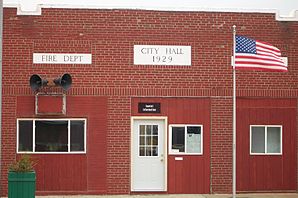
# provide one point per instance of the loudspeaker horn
(64, 81)
(36, 82)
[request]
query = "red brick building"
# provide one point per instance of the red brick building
(126, 127)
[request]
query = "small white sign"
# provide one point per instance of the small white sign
(53, 58)
(162, 55)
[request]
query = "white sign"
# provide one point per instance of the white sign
(162, 55)
(52, 58)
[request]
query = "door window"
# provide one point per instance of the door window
(148, 140)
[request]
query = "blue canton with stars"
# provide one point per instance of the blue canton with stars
(245, 45)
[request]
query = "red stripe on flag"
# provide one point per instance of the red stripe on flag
(264, 58)
(257, 63)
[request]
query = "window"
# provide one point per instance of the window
(148, 142)
(265, 140)
(186, 139)
(51, 135)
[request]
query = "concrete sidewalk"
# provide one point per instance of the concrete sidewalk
(256, 195)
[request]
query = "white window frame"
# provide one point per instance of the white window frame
(49, 152)
(171, 152)
(266, 153)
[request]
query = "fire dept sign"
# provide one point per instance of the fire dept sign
(162, 55)
(60, 58)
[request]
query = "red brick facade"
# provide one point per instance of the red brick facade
(109, 35)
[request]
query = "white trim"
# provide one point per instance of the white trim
(185, 142)
(33, 136)
(35, 10)
(51, 119)
(68, 136)
(282, 10)
(17, 147)
(85, 136)
(265, 126)
(161, 118)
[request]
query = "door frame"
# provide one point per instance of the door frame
(160, 118)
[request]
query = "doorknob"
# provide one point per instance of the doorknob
(161, 158)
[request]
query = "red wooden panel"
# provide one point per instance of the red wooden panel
(266, 172)
(195, 176)
(50, 104)
(25, 106)
(70, 173)
(61, 172)
(96, 110)
(265, 103)
(189, 175)
(192, 174)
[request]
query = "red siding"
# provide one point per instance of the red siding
(73, 173)
(266, 173)
(192, 174)
(49, 104)
(61, 173)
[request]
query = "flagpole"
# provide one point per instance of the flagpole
(234, 112)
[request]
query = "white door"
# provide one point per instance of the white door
(148, 155)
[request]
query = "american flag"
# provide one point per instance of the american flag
(257, 55)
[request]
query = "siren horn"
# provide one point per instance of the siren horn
(64, 81)
(36, 82)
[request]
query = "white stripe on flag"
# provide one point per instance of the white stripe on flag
(250, 66)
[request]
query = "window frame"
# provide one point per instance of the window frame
(52, 119)
(158, 146)
(266, 148)
(185, 141)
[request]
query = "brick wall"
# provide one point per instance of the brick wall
(221, 144)
(110, 35)
(8, 144)
(118, 148)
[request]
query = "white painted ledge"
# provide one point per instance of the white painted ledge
(292, 16)
(286, 10)
(36, 10)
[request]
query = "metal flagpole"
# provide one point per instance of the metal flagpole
(234, 112)
(1, 30)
